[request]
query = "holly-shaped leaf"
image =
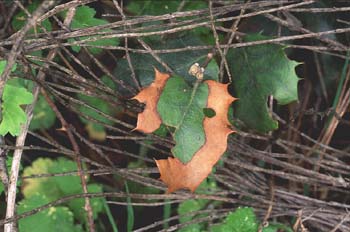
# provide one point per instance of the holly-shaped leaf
(200, 141)
(242, 220)
(260, 71)
(149, 120)
(13, 116)
(52, 219)
(85, 17)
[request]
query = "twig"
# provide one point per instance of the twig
(66, 127)
(127, 54)
(15, 51)
(217, 44)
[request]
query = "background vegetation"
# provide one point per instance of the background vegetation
(70, 160)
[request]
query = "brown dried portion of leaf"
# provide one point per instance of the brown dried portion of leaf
(149, 120)
(177, 175)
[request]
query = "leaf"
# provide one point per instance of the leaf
(178, 175)
(45, 186)
(56, 187)
(13, 115)
(260, 71)
(51, 219)
(186, 115)
(85, 17)
(52, 187)
(183, 109)
(43, 116)
(242, 220)
(149, 120)
(179, 62)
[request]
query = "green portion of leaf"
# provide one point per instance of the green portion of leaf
(260, 71)
(85, 17)
(52, 219)
(21, 18)
(242, 220)
(43, 117)
(186, 115)
(179, 62)
(13, 115)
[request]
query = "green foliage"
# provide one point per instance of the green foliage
(57, 218)
(43, 116)
(56, 187)
(13, 115)
(260, 71)
(85, 17)
(179, 62)
(242, 220)
(181, 107)
(21, 18)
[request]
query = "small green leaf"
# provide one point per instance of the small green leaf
(52, 187)
(85, 17)
(181, 107)
(13, 115)
(260, 71)
(45, 186)
(52, 219)
(242, 220)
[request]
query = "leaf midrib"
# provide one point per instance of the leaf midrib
(194, 91)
